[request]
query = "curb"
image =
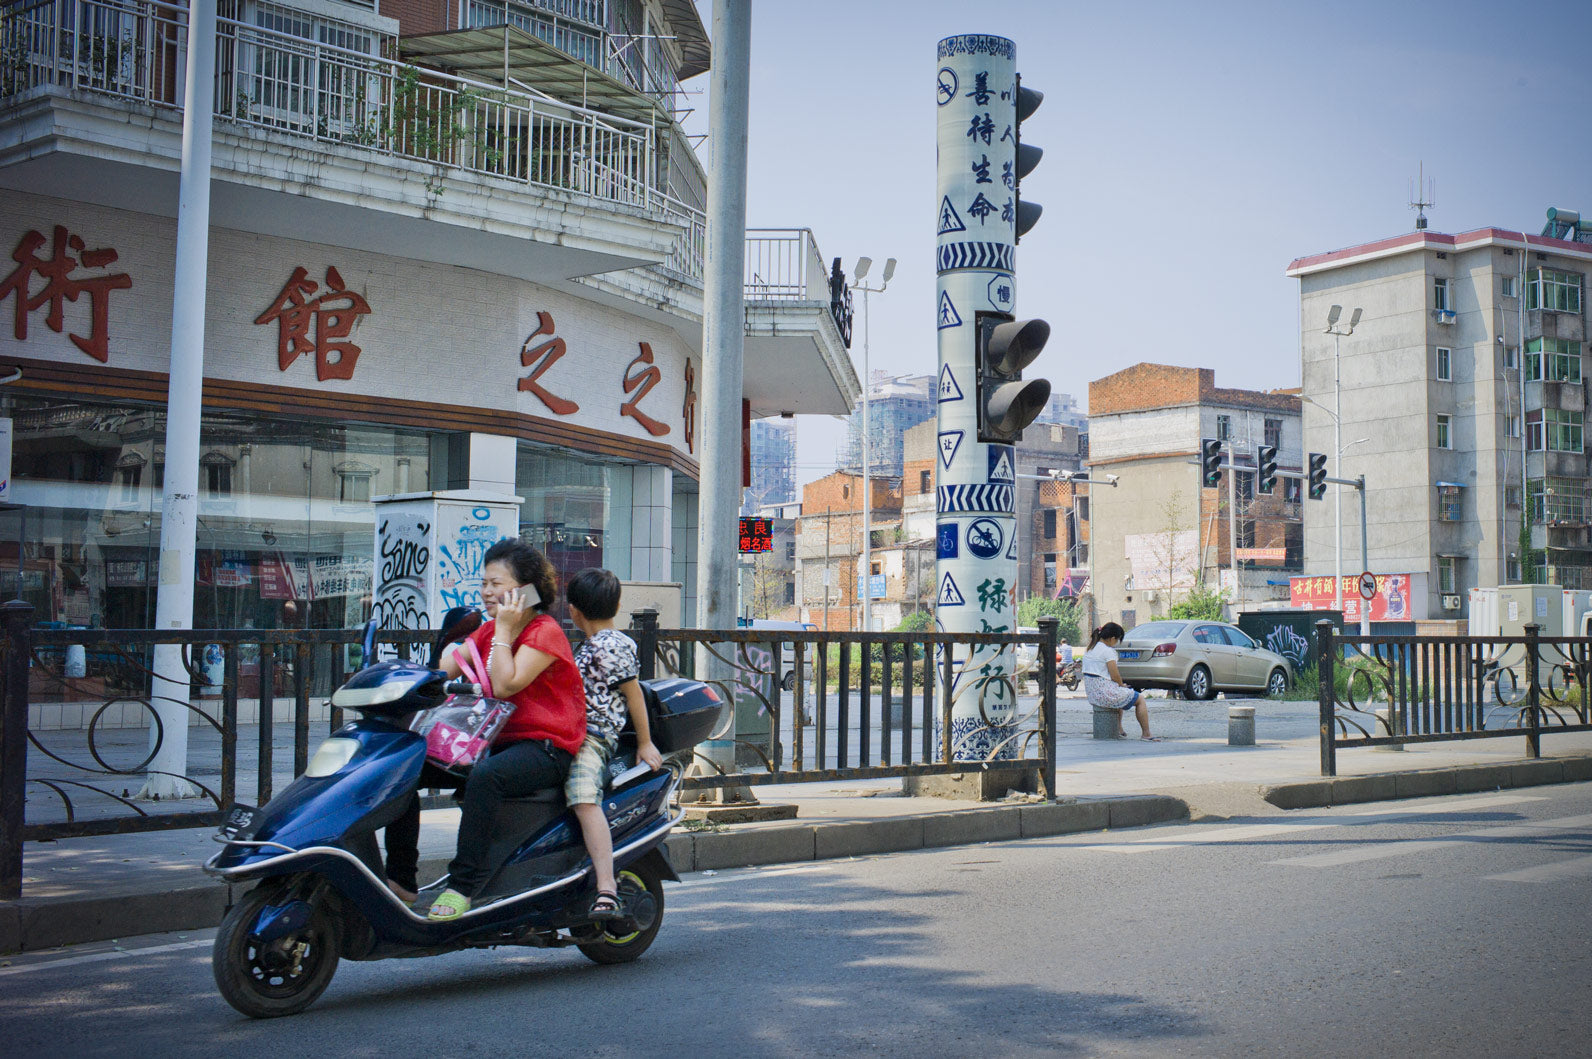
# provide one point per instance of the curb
(45, 923)
(1428, 783)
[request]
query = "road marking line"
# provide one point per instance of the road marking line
(101, 957)
(1469, 803)
(1564, 869)
(1359, 854)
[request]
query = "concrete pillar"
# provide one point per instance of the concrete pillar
(179, 513)
(1106, 723)
(723, 343)
(1240, 726)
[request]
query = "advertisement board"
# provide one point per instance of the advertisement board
(1399, 597)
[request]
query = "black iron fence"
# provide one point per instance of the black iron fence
(806, 706)
(1396, 690)
(846, 705)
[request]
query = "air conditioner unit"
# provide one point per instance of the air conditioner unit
(1451, 602)
(1445, 316)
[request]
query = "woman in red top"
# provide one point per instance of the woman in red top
(529, 663)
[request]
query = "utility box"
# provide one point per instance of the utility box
(1507, 609)
(1290, 633)
(429, 548)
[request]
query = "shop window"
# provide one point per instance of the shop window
(353, 482)
(129, 475)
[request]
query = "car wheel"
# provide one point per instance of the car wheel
(1277, 683)
(1197, 685)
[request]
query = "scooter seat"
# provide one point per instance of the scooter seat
(550, 795)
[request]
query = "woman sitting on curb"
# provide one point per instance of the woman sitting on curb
(1102, 683)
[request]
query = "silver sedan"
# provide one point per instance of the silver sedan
(1200, 658)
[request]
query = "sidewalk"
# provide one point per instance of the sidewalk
(87, 889)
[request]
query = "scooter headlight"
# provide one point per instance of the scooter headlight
(331, 756)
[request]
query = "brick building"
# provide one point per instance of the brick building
(829, 548)
(1159, 532)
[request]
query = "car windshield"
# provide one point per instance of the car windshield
(1156, 630)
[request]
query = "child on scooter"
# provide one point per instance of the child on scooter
(609, 670)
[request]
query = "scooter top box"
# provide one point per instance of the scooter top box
(682, 712)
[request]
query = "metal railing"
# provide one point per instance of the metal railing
(783, 264)
(134, 50)
(827, 706)
(1397, 690)
(837, 713)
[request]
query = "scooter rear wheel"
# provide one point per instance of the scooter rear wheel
(281, 977)
(637, 885)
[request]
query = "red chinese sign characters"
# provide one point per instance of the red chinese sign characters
(646, 379)
(688, 410)
(59, 287)
(544, 357)
(316, 325)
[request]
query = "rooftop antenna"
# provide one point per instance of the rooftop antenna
(1423, 193)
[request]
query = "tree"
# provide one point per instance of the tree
(1030, 610)
(1173, 549)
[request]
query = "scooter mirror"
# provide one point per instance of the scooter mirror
(458, 623)
(368, 644)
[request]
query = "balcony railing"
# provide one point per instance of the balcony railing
(783, 264)
(136, 50)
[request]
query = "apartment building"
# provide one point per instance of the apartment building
(1462, 401)
(896, 404)
(772, 455)
(456, 246)
(1159, 532)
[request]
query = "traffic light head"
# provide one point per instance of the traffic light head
(1318, 475)
(1211, 462)
(1006, 402)
(1027, 157)
(1265, 468)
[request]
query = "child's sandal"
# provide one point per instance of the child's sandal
(606, 906)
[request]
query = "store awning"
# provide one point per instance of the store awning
(1450, 485)
(504, 54)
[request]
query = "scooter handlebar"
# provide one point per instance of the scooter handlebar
(460, 686)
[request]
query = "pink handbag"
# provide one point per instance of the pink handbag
(459, 733)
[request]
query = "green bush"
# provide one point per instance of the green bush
(1065, 611)
(1200, 605)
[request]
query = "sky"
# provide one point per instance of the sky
(1193, 148)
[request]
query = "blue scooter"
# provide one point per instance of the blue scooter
(321, 894)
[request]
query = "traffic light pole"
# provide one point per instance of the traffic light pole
(980, 106)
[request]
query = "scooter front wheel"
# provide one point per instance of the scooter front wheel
(641, 893)
(279, 977)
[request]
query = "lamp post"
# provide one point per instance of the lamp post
(863, 265)
(1338, 334)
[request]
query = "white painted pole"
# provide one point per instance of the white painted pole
(180, 504)
(975, 505)
(1337, 471)
(867, 484)
(723, 340)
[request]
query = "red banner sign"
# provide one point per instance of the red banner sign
(1391, 602)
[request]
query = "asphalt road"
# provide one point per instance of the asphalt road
(1455, 926)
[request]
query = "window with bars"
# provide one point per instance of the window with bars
(1273, 432)
(1558, 500)
(1556, 291)
(1224, 428)
(1553, 359)
(1447, 577)
(1450, 503)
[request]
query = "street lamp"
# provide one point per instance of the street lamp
(863, 265)
(1337, 334)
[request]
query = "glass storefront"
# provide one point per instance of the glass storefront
(285, 532)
